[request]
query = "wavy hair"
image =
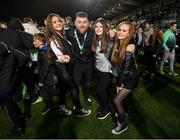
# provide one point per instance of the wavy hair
(51, 34)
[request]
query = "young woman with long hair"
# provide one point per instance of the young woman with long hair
(125, 70)
(61, 57)
(102, 47)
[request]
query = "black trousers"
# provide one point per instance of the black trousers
(27, 76)
(104, 81)
(83, 73)
(66, 83)
(13, 111)
(150, 61)
(47, 94)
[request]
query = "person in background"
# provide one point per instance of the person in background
(11, 59)
(29, 26)
(69, 23)
(169, 44)
(46, 80)
(3, 25)
(22, 41)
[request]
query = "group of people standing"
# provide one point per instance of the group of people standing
(67, 59)
(74, 53)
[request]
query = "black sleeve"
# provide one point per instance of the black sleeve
(27, 39)
(69, 33)
(158, 44)
(4, 49)
(21, 57)
(126, 66)
(43, 66)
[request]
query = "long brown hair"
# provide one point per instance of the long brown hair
(104, 39)
(51, 34)
(157, 37)
(118, 52)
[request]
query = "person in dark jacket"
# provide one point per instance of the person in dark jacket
(155, 49)
(81, 39)
(22, 41)
(10, 60)
(126, 71)
(46, 79)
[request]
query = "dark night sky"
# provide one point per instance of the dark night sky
(39, 9)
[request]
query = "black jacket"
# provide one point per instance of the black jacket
(10, 60)
(15, 36)
(87, 55)
(67, 50)
(128, 69)
(46, 71)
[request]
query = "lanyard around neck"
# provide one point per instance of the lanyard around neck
(77, 39)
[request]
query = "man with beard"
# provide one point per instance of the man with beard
(81, 39)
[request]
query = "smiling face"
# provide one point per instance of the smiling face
(123, 31)
(57, 24)
(98, 29)
(82, 24)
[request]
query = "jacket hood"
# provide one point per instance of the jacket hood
(15, 24)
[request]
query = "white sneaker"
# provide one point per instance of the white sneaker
(63, 110)
(162, 72)
(120, 128)
(175, 74)
(38, 100)
(170, 73)
(89, 100)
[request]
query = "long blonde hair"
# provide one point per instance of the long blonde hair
(118, 52)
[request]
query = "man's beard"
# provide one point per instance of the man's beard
(82, 31)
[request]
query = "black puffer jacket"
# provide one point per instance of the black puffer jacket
(10, 60)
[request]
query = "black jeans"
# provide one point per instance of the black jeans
(13, 111)
(104, 81)
(47, 94)
(150, 61)
(83, 73)
(66, 83)
(27, 76)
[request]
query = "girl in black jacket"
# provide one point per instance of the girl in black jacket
(62, 59)
(125, 70)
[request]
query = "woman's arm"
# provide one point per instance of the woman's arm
(61, 58)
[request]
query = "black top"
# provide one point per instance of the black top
(10, 60)
(67, 49)
(86, 55)
(127, 69)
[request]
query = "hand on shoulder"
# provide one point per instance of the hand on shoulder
(130, 48)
